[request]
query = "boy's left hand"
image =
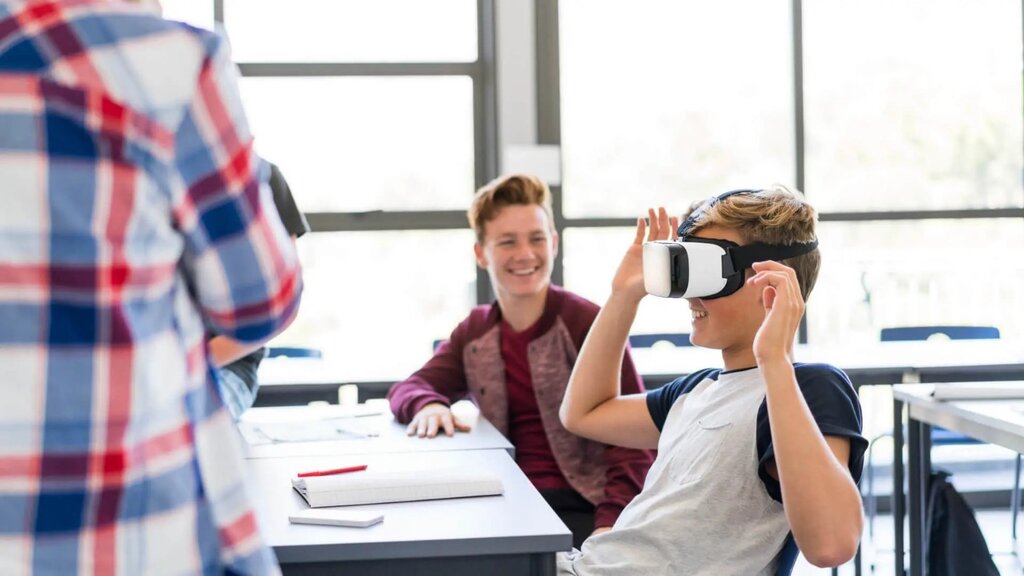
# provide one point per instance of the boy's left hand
(783, 306)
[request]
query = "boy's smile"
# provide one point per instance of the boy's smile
(729, 323)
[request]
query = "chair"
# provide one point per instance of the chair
(790, 552)
(909, 333)
(787, 557)
(941, 436)
(293, 352)
(649, 340)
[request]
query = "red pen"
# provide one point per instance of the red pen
(332, 471)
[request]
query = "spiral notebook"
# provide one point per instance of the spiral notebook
(371, 487)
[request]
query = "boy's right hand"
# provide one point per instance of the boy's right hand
(629, 279)
(433, 417)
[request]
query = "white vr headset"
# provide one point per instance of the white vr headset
(704, 267)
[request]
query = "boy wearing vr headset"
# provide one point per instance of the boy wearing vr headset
(515, 356)
(748, 454)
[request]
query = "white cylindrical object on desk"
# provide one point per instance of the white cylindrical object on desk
(348, 395)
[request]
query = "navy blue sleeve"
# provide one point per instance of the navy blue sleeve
(660, 400)
(836, 409)
(293, 219)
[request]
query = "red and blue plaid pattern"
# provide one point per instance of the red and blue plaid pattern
(134, 214)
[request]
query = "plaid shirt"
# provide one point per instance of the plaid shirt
(134, 211)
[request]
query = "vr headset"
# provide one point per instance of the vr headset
(704, 267)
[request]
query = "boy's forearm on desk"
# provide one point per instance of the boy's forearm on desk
(410, 396)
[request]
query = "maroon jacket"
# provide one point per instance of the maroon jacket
(470, 364)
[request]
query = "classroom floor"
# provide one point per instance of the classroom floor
(995, 524)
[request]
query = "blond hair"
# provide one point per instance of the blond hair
(775, 215)
(510, 190)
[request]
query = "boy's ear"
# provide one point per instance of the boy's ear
(554, 243)
(481, 258)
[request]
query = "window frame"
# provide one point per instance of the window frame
(482, 73)
(549, 132)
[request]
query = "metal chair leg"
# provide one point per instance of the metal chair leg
(872, 501)
(1015, 502)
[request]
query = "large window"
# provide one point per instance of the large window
(353, 30)
(925, 115)
(368, 143)
(902, 122)
(195, 12)
(380, 115)
(375, 301)
(659, 105)
(877, 274)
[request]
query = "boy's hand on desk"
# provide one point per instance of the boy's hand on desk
(433, 417)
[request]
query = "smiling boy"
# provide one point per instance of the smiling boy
(514, 358)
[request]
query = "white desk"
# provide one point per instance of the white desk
(514, 534)
(373, 434)
(869, 363)
(998, 422)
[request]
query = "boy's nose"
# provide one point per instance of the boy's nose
(524, 251)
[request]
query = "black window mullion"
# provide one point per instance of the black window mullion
(482, 74)
(549, 122)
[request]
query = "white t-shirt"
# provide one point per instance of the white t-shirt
(708, 506)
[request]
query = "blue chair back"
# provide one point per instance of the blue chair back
(908, 333)
(787, 557)
(293, 352)
(649, 340)
(941, 436)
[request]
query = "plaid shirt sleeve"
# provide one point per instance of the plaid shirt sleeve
(239, 258)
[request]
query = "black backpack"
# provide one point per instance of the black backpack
(954, 543)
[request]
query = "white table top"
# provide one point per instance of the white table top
(995, 421)
(916, 355)
(517, 522)
(333, 429)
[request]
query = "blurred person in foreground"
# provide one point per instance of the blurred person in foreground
(136, 215)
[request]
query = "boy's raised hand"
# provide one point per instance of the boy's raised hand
(629, 279)
(783, 306)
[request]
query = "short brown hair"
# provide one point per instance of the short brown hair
(510, 190)
(775, 215)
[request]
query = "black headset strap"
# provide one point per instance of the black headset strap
(741, 257)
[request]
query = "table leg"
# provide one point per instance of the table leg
(543, 565)
(917, 456)
(898, 512)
